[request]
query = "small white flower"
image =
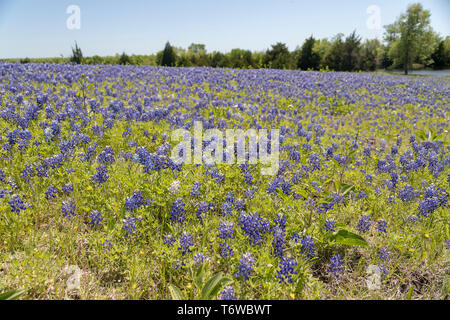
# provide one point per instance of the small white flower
(174, 187)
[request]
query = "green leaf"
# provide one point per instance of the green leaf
(213, 285)
(175, 292)
(11, 295)
(198, 279)
(348, 238)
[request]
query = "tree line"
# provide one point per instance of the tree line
(408, 42)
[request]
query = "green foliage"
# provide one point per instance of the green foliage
(12, 295)
(411, 38)
(77, 55)
(205, 290)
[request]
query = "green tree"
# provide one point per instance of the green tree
(351, 52)
(278, 56)
(167, 57)
(334, 55)
(308, 59)
(77, 55)
(371, 54)
(411, 37)
(438, 56)
(124, 59)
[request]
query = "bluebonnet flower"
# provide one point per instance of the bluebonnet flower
(408, 193)
(67, 188)
(284, 274)
(27, 172)
(129, 224)
(280, 221)
(2, 176)
(169, 240)
(134, 202)
(245, 268)
(278, 241)
(199, 258)
(254, 227)
(274, 185)
(203, 208)
(230, 197)
(106, 243)
(101, 175)
(228, 293)
(434, 198)
(413, 219)
(227, 209)
(248, 178)
(336, 265)
(186, 241)
(177, 211)
(17, 204)
(361, 195)
(447, 243)
(226, 250)
(381, 226)
(364, 223)
(286, 187)
(330, 225)
(195, 192)
(51, 192)
(384, 254)
(178, 265)
(226, 230)
(96, 218)
(3, 193)
(307, 247)
(106, 156)
(250, 192)
(239, 205)
(68, 209)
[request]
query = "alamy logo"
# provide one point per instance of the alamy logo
(210, 147)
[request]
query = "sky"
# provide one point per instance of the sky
(39, 28)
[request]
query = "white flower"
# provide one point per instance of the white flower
(174, 187)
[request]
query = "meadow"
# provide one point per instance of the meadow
(93, 207)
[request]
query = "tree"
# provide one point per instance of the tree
(411, 37)
(167, 57)
(124, 59)
(371, 55)
(308, 59)
(351, 52)
(334, 56)
(77, 55)
(438, 56)
(278, 57)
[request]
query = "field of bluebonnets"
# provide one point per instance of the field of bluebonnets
(358, 208)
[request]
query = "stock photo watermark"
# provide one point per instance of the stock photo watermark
(373, 22)
(73, 22)
(210, 147)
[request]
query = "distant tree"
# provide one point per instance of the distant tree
(371, 55)
(277, 57)
(334, 56)
(167, 57)
(438, 56)
(351, 53)
(411, 37)
(25, 60)
(308, 58)
(217, 59)
(239, 58)
(77, 55)
(124, 59)
(321, 48)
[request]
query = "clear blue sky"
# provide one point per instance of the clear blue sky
(37, 28)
